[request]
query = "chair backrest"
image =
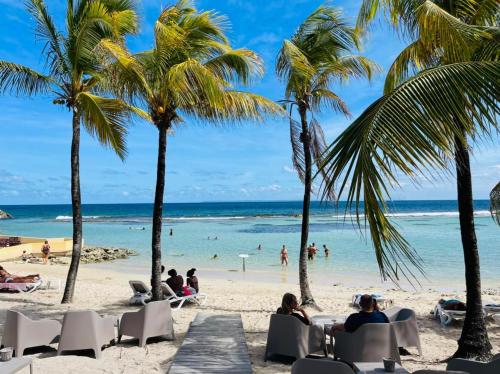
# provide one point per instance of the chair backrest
(79, 329)
(405, 314)
(438, 372)
(369, 343)
(320, 366)
(287, 336)
(157, 316)
(139, 287)
(10, 329)
(168, 291)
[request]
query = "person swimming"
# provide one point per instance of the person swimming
(215, 257)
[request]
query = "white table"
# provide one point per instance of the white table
(16, 364)
(376, 368)
(328, 321)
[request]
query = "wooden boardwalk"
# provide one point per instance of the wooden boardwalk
(213, 344)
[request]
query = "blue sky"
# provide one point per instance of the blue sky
(246, 162)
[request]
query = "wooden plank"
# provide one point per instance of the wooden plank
(213, 344)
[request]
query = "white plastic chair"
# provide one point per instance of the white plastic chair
(142, 293)
(170, 295)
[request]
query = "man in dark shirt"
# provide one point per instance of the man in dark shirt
(367, 314)
(175, 282)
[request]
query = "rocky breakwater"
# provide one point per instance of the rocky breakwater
(91, 255)
(4, 215)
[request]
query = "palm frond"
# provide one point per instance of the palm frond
(441, 29)
(238, 65)
(323, 96)
(298, 158)
(407, 132)
(318, 147)
(485, 12)
(46, 31)
(21, 80)
(414, 58)
(106, 119)
(293, 67)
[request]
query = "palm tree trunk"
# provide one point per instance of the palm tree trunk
(474, 340)
(158, 214)
(305, 291)
(76, 203)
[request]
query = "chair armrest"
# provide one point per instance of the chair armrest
(107, 328)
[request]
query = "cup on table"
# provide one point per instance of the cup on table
(6, 354)
(389, 365)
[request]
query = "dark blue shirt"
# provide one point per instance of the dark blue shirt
(355, 320)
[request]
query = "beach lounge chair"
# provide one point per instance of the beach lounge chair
(21, 287)
(382, 301)
(169, 294)
(142, 293)
(369, 343)
(288, 336)
(154, 319)
(475, 367)
(86, 330)
(404, 323)
(320, 366)
(491, 309)
(446, 317)
(20, 332)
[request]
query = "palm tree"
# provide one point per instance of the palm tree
(188, 72)
(73, 78)
(495, 203)
(317, 57)
(441, 93)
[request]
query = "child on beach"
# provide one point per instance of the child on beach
(284, 256)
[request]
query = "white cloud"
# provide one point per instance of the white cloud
(125, 193)
(288, 169)
(264, 38)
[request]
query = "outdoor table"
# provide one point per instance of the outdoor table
(376, 368)
(15, 364)
(327, 321)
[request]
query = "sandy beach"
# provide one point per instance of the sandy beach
(107, 292)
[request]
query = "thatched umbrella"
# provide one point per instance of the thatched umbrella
(495, 203)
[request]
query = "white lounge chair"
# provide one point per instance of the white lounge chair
(142, 293)
(381, 300)
(491, 309)
(446, 317)
(170, 295)
(22, 287)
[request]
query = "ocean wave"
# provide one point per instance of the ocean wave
(145, 219)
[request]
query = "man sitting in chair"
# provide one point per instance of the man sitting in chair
(369, 313)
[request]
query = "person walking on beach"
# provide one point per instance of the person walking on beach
(327, 251)
(46, 252)
(284, 256)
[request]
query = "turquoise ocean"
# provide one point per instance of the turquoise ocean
(430, 226)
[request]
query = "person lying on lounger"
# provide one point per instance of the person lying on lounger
(290, 306)
(6, 277)
(369, 313)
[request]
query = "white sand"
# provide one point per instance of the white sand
(108, 292)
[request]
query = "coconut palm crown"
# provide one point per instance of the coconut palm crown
(73, 76)
(188, 74)
(317, 57)
(441, 95)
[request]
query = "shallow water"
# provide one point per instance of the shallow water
(431, 227)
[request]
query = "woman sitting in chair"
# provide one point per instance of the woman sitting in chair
(289, 306)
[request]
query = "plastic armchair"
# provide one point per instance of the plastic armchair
(475, 367)
(320, 366)
(21, 332)
(86, 330)
(404, 323)
(154, 319)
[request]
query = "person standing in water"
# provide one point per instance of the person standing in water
(259, 248)
(284, 256)
(327, 251)
(171, 232)
(46, 252)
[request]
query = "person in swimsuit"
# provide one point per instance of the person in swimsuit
(290, 305)
(192, 280)
(6, 277)
(284, 256)
(175, 281)
(46, 252)
(327, 251)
